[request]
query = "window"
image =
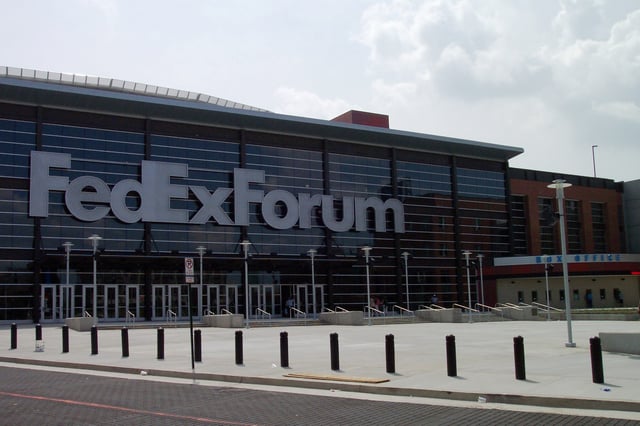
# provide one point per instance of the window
(598, 227)
(545, 218)
(520, 296)
(603, 294)
(534, 296)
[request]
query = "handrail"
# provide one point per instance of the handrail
(339, 309)
(403, 310)
(208, 312)
(298, 312)
(263, 313)
(491, 308)
(468, 308)
(325, 309)
(130, 317)
(509, 305)
(377, 311)
(86, 314)
(226, 311)
(434, 306)
(523, 304)
(172, 317)
(551, 308)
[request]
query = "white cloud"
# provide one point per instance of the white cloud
(308, 104)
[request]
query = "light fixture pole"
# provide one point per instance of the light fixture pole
(312, 255)
(593, 157)
(480, 257)
(366, 250)
(546, 284)
(94, 243)
(67, 250)
(245, 248)
(560, 185)
(201, 251)
(405, 255)
(466, 254)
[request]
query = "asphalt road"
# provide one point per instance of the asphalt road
(41, 397)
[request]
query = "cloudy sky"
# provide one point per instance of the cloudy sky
(554, 77)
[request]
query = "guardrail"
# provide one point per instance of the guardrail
(263, 314)
(172, 317)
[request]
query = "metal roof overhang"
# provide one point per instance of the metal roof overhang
(144, 106)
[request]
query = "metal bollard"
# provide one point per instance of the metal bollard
(335, 351)
(197, 342)
(94, 340)
(239, 347)
(597, 371)
(518, 356)
(38, 332)
(14, 336)
(65, 339)
(452, 368)
(125, 341)
(284, 349)
(160, 343)
(390, 353)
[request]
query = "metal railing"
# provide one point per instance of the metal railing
(490, 308)
(467, 308)
(207, 312)
(262, 313)
(172, 317)
(376, 312)
(508, 305)
(297, 313)
(130, 318)
(340, 309)
(86, 314)
(226, 311)
(325, 309)
(403, 310)
(547, 307)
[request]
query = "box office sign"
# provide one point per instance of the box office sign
(89, 198)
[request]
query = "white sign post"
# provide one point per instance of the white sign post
(188, 270)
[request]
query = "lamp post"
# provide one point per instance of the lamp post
(466, 254)
(480, 257)
(560, 185)
(67, 250)
(201, 251)
(546, 284)
(245, 248)
(366, 250)
(593, 157)
(405, 255)
(312, 255)
(94, 243)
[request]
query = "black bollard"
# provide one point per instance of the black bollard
(239, 347)
(14, 336)
(197, 342)
(390, 353)
(125, 342)
(284, 349)
(518, 356)
(160, 343)
(94, 340)
(452, 368)
(38, 332)
(335, 351)
(65, 339)
(597, 371)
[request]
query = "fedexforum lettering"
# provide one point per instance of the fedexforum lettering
(89, 198)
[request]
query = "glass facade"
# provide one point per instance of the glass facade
(450, 204)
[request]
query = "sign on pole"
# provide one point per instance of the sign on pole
(188, 270)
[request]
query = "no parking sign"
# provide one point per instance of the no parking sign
(188, 270)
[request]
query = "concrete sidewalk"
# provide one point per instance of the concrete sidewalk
(556, 376)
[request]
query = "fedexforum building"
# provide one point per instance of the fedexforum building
(106, 186)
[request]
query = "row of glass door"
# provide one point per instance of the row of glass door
(118, 302)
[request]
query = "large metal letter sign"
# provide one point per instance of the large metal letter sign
(188, 270)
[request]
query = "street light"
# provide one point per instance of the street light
(405, 255)
(593, 157)
(546, 283)
(245, 248)
(201, 251)
(366, 250)
(559, 185)
(94, 243)
(467, 253)
(480, 256)
(312, 255)
(67, 249)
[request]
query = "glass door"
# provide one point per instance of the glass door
(48, 303)
(213, 299)
(158, 303)
(261, 300)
